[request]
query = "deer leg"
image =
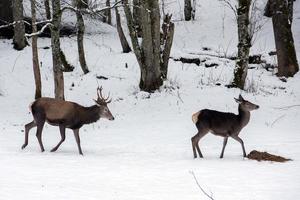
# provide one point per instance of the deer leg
(39, 130)
(27, 129)
(237, 138)
(224, 145)
(62, 131)
(195, 143)
(76, 134)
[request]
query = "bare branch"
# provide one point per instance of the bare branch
(198, 184)
(287, 107)
(39, 32)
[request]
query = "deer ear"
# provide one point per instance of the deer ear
(241, 98)
(238, 100)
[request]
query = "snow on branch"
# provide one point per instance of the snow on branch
(15, 22)
(39, 32)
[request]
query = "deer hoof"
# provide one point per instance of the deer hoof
(23, 146)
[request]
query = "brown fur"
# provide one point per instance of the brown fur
(64, 114)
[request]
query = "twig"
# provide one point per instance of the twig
(15, 62)
(287, 107)
(179, 97)
(198, 184)
(276, 120)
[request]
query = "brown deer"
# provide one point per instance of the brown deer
(222, 124)
(65, 114)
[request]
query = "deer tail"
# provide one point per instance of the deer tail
(195, 117)
(30, 106)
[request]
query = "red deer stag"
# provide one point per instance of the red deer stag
(222, 124)
(65, 114)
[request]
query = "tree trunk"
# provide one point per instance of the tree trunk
(240, 72)
(136, 12)
(47, 8)
(166, 43)
(291, 10)
(149, 53)
(19, 40)
(67, 67)
(80, 34)
(286, 54)
(187, 10)
(6, 16)
(55, 43)
(125, 46)
(150, 21)
(35, 56)
(107, 12)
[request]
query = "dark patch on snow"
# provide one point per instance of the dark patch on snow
(208, 65)
(255, 59)
(206, 49)
(101, 77)
(196, 61)
(269, 67)
(272, 53)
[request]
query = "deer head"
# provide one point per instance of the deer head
(102, 102)
(246, 105)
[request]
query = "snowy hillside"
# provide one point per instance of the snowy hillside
(146, 153)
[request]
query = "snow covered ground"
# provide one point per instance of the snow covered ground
(146, 152)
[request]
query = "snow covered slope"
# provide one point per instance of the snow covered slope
(146, 152)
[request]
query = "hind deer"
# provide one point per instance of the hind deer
(65, 114)
(222, 124)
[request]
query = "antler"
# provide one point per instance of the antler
(100, 96)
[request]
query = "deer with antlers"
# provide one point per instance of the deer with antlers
(65, 114)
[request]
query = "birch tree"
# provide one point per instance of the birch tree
(244, 43)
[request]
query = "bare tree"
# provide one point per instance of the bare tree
(284, 41)
(35, 56)
(19, 40)
(47, 9)
(291, 10)
(125, 46)
(55, 43)
(67, 67)
(166, 44)
(244, 38)
(6, 17)
(189, 9)
(149, 53)
(107, 12)
(81, 5)
(136, 12)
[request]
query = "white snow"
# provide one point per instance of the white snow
(146, 152)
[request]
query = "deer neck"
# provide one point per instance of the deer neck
(244, 116)
(90, 114)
